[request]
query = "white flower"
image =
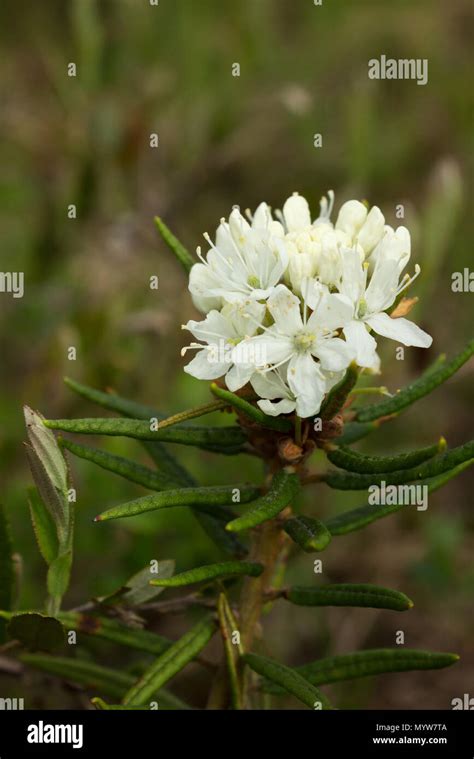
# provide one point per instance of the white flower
(298, 341)
(273, 385)
(362, 227)
(245, 262)
(394, 245)
(222, 332)
(370, 301)
(291, 301)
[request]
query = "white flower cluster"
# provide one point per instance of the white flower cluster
(290, 303)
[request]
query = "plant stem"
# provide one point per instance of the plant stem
(298, 430)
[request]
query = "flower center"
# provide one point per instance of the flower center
(304, 341)
(362, 308)
(253, 281)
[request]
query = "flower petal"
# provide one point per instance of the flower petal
(372, 230)
(238, 376)
(351, 217)
(307, 382)
(363, 344)
(201, 368)
(296, 213)
(402, 330)
(284, 406)
(284, 306)
(335, 354)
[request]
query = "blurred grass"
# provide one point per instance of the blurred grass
(226, 140)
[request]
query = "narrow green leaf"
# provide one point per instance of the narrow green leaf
(6, 569)
(137, 589)
(283, 489)
(309, 533)
(36, 631)
(337, 397)
(214, 525)
(184, 257)
(353, 461)
(113, 402)
(158, 452)
(231, 652)
(346, 594)
(354, 431)
(193, 413)
(47, 450)
(103, 706)
(132, 471)
(290, 680)
(227, 440)
(252, 412)
(376, 661)
(115, 632)
(210, 572)
(422, 386)
(43, 526)
(355, 519)
(205, 498)
(165, 461)
(109, 682)
(59, 573)
(171, 662)
(435, 466)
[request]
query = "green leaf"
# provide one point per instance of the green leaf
(353, 461)
(103, 706)
(355, 519)
(46, 448)
(192, 413)
(435, 466)
(290, 680)
(137, 588)
(206, 498)
(210, 572)
(43, 526)
(422, 386)
(59, 573)
(367, 663)
(337, 397)
(284, 487)
(214, 526)
(115, 632)
(36, 631)
(184, 257)
(227, 628)
(7, 575)
(251, 411)
(354, 431)
(227, 440)
(113, 402)
(346, 594)
(171, 662)
(309, 533)
(165, 461)
(110, 682)
(132, 471)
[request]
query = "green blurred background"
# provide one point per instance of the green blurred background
(227, 140)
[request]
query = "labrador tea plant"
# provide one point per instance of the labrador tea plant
(292, 311)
